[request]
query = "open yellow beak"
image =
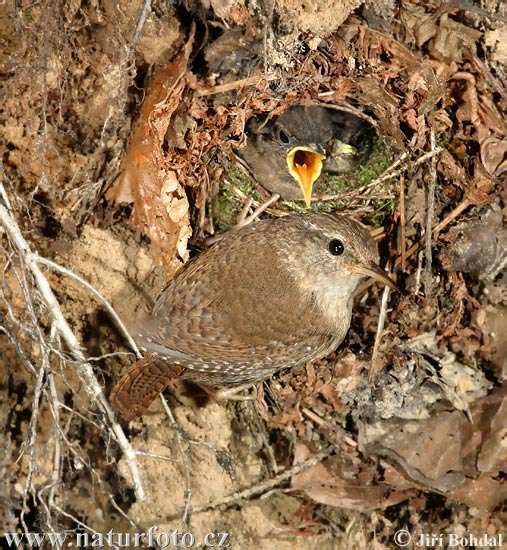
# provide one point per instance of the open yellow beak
(374, 271)
(305, 166)
(337, 147)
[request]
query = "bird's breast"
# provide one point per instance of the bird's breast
(332, 301)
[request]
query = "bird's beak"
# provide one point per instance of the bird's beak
(374, 271)
(305, 166)
(337, 147)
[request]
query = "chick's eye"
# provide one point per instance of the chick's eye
(336, 247)
(283, 137)
(359, 141)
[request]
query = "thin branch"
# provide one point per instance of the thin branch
(380, 328)
(403, 243)
(242, 83)
(85, 370)
(430, 217)
(261, 488)
(140, 22)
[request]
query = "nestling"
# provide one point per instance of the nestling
(288, 153)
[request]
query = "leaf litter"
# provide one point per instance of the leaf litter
(432, 421)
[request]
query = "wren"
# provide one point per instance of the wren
(274, 294)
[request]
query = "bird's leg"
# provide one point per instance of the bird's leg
(223, 394)
(142, 384)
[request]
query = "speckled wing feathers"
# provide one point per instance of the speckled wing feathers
(266, 297)
(243, 331)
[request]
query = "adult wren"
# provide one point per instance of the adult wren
(288, 153)
(274, 294)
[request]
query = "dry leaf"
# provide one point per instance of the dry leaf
(354, 491)
(160, 203)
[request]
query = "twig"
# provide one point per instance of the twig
(246, 220)
(403, 243)
(32, 437)
(242, 83)
(380, 328)
(268, 26)
(313, 416)
(140, 22)
(344, 107)
(85, 370)
(430, 216)
(418, 272)
(462, 206)
(265, 486)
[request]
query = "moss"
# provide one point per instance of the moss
(383, 209)
(226, 206)
(378, 162)
(444, 139)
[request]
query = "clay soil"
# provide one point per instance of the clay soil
(399, 430)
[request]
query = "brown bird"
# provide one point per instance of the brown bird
(288, 153)
(274, 294)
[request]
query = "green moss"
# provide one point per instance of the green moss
(444, 139)
(378, 162)
(226, 206)
(382, 210)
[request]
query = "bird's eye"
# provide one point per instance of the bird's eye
(283, 137)
(359, 141)
(336, 247)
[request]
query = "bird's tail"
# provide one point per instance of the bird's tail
(142, 384)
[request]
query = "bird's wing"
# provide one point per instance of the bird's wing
(218, 311)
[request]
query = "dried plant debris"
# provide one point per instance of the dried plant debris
(478, 245)
(427, 451)
(345, 483)
(161, 207)
(88, 87)
(428, 375)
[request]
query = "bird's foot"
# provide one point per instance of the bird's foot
(223, 394)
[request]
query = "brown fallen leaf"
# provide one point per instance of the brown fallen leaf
(329, 483)
(427, 451)
(483, 493)
(160, 203)
(494, 156)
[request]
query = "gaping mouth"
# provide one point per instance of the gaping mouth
(337, 147)
(374, 271)
(305, 166)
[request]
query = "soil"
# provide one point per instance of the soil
(412, 438)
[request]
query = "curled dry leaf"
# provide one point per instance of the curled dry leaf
(160, 203)
(494, 156)
(428, 451)
(330, 483)
(484, 452)
(493, 455)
